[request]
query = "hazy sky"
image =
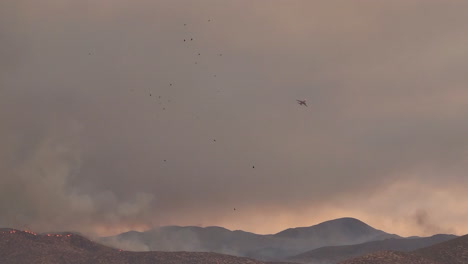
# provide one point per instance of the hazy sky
(84, 146)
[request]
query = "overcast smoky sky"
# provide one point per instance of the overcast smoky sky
(110, 121)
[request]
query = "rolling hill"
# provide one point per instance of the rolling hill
(334, 254)
(68, 248)
(454, 251)
(343, 231)
(19, 247)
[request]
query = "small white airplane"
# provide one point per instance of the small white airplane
(302, 102)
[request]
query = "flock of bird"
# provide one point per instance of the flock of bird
(186, 40)
(191, 40)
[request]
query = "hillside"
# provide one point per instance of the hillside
(331, 255)
(454, 251)
(390, 257)
(19, 247)
(343, 231)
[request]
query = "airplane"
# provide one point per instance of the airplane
(302, 102)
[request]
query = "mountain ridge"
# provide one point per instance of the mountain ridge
(69, 248)
(454, 251)
(292, 241)
(334, 254)
(18, 247)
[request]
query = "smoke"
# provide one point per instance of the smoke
(426, 225)
(36, 191)
(131, 244)
(182, 240)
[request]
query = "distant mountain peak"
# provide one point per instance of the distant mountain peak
(346, 219)
(344, 224)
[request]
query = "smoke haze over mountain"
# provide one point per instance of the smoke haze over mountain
(85, 147)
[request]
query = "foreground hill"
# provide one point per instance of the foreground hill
(19, 247)
(454, 251)
(332, 255)
(343, 231)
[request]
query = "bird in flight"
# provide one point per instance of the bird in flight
(302, 102)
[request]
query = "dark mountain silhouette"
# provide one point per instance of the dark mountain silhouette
(20, 247)
(343, 231)
(346, 227)
(334, 254)
(454, 251)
